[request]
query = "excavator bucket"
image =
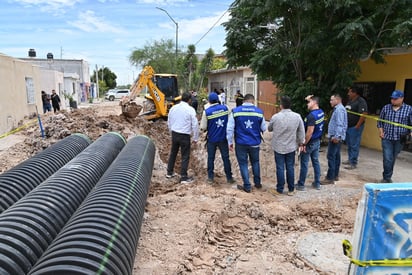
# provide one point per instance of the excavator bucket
(131, 109)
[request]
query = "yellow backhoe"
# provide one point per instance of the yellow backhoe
(163, 94)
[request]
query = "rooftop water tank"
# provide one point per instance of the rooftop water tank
(32, 53)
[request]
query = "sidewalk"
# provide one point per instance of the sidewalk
(370, 165)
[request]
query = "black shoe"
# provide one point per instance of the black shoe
(350, 167)
(240, 187)
(258, 186)
(326, 181)
(231, 181)
(169, 176)
(300, 188)
(186, 180)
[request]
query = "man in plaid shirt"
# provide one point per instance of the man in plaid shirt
(392, 135)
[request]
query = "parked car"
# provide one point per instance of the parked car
(113, 94)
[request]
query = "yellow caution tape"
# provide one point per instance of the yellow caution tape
(355, 113)
(30, 123)
(347, 251)
(382, 120)
(267, 103)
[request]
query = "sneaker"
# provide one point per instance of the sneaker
(240, 187)
(346, 162)
(300, 188)
(316, 186)
(386, 181)
(274, 192)
(258, 186)
(169, 176)
(326, 182)
(231, 181)
(210, 181)
(350, 167)
(337, 179)
(291, 193)
(186, 180)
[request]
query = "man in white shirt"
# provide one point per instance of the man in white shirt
(222, 96)
(182, 122)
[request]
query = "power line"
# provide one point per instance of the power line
(217, 21)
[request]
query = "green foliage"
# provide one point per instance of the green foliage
(188, 67)
(205, 66)
(107, 79)
(191, 72)
(161, 55)
(103, 88)
(314, 46)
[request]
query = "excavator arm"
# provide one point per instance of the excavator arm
(131, 109)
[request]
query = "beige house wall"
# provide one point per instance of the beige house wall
(15, 103)
(232, 80)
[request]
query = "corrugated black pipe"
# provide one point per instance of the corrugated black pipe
(102, 236)
(21, 179)
(29, 226)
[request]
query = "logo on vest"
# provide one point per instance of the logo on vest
(248, 124)
(220, 123)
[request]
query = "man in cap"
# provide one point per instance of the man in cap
(214, 121)
(392, 117)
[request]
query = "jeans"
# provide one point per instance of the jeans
(282, 161)
(243, 152)
(46, 107)
(312, 152)
(353, 140)
(333, 157)
(181, 141)
(224, 152)
(390, 150)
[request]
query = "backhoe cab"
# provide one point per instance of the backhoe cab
(163, 94)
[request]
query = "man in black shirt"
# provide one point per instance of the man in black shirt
(356, 105)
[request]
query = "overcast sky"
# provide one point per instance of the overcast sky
(105, 32)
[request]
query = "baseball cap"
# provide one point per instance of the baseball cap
(213, 97)
(397, 94)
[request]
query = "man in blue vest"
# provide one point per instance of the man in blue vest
(314, 122)
(214, 121)
(246, 124)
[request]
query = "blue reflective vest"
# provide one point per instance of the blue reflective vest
(319, 118)
(248, 120)
(217, 117)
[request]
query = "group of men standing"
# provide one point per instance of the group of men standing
(50, 101)
(245, 124)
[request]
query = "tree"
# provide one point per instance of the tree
(189, 67)
(314, 46)
(160, 55)
(206, 65)
(107, 79)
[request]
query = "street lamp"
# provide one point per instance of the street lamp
(177, 31)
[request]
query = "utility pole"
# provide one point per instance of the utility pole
(177, 32)
(97, 82)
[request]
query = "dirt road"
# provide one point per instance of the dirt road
(216, 229)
